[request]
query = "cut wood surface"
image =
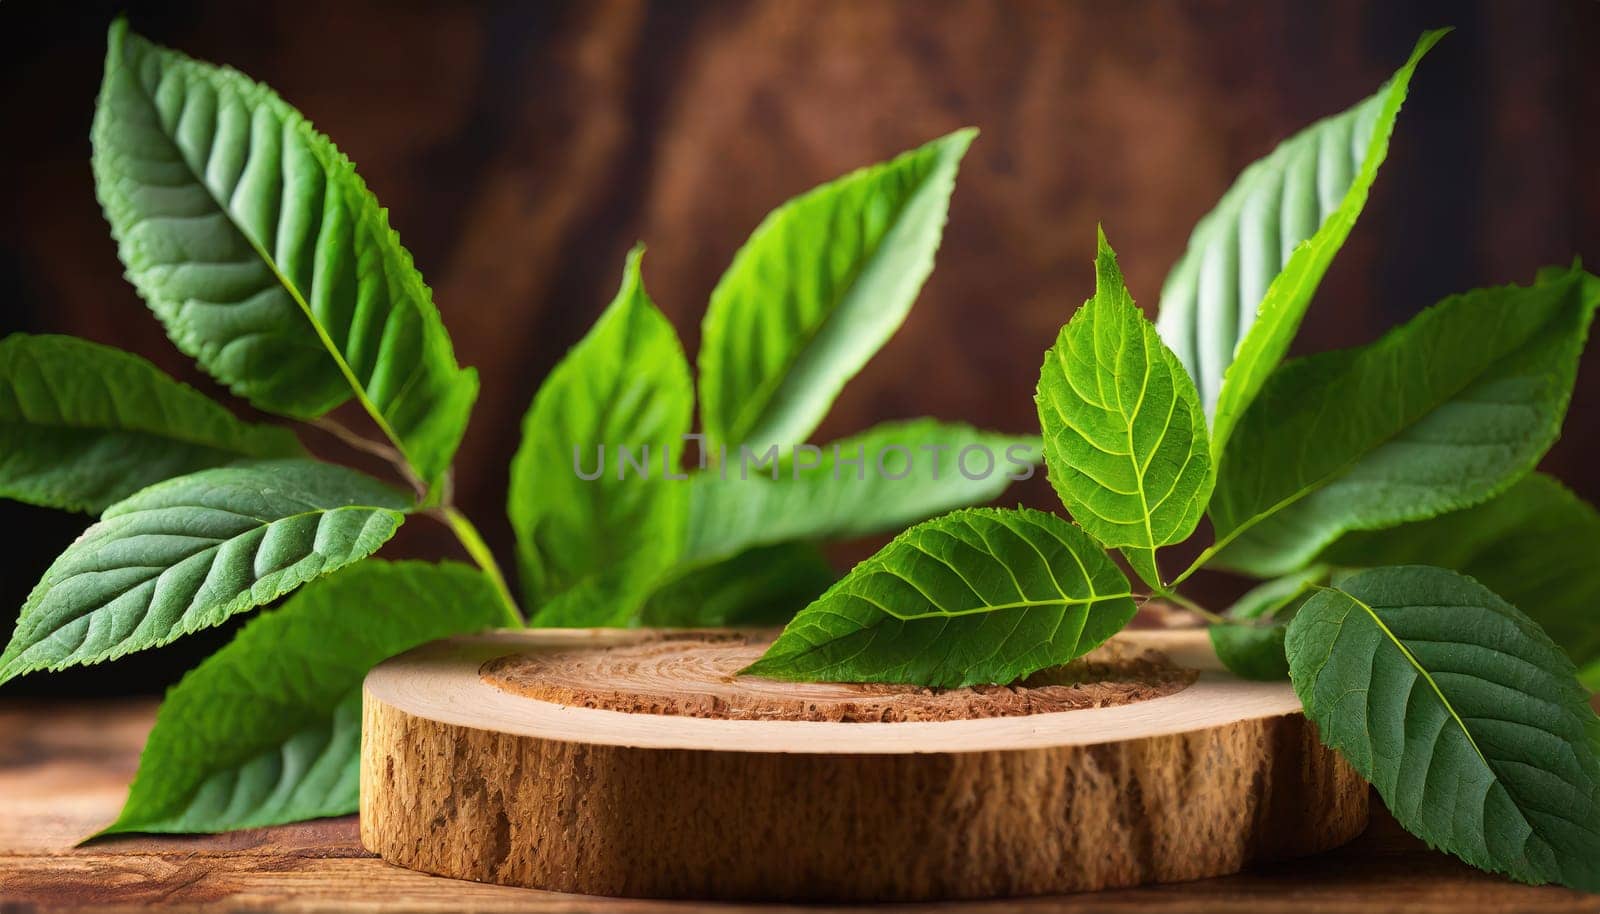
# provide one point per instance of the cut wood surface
(464, 774)
(696, 675)
(65, 767)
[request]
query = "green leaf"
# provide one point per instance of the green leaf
(850, 488)
(1235, 300)
(188, 553)
(1124, 435)
(625, 384)
(600, 601)
(1536, 546)
(1462, 713)
(822, 283)
(1441, 413)
(268, 729)
(978, 596)
(1249, 641)
(1251, 650)
(262, 251)
(766, 585)
(84, 425)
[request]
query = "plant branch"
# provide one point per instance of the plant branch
(473, 543)
(1198, 563)
(444, 511)
(350, 437)
(1190, 605)
(392, 455)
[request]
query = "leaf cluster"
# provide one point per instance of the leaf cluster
(270, 263)
(1386, 493)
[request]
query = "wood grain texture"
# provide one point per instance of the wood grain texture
(695, 674)
(65, 766)
(465, 779)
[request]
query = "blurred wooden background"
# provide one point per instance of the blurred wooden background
(523, 147)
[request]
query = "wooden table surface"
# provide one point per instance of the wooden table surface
(65, 766)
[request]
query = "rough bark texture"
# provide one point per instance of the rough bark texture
(730, 821)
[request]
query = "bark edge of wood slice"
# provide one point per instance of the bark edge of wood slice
(465, 779)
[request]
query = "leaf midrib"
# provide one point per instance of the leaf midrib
(1020, 604)
(998, 607)
(270, 262)
(1360, 190)
(762, 405)
(1426, 676)
(1387, 439)
(214, 545)
(1128, 421)
(1517, 803)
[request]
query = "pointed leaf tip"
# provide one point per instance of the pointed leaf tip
(271, 339)
(1233, 326)
(962, 138)
(821, 284)
(233, 538)
(1132, 464)
(626, 381)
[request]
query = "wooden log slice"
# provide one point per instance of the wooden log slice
(634, 763)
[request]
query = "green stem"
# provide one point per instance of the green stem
(473, 542)
(1190, 605)
(367, 446)
(1210, 551)
(467, 534)
(1197, 564)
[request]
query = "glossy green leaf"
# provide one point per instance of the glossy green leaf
(268, 729)
(1124, 435)
(1537, 546)
(1233, 303)
(188, 553)
(1249, 640)
(821, 285)
(262, 251)
(624, 385)
(84, 425)
(889, 476)
(977, 596)
(1439, 414)
(766, 585)
(1463, 714)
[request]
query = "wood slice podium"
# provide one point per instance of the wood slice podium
(633, 763)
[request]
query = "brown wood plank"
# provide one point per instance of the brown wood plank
(64, 769)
